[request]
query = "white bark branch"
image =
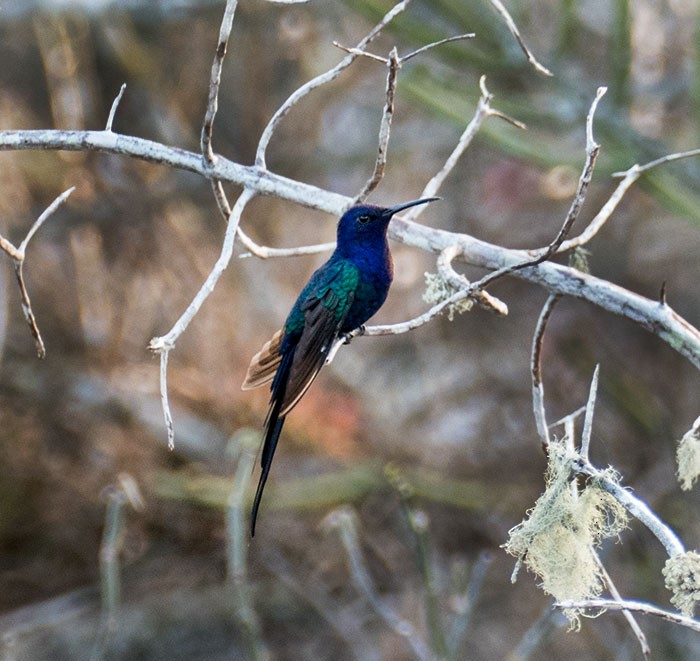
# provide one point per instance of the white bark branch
(654, 316)
(18, 254)
(322, 79)
(635, 606)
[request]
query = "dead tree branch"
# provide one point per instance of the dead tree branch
(18, 255)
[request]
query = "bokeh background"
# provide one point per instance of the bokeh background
(427, 437)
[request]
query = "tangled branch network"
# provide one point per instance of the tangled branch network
(449, 291)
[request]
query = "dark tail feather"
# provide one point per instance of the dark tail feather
(271, 439)
(273, 429)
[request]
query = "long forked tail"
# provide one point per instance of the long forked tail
(273, 429)
(271, 437)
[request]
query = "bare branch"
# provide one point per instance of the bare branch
(322, 79)
(604, 214)
(536, 370)
(568, 418)
(588, 419)
(422, 49)
(458, 281)
(344, 521)
(215, 81)
(164, 352)
(18, 255)
(402, 327)
(405, 58)
(629, 177)
(498, 6)
(634, 625)
(691, 153)
(592, 151)
(113, 109)
(352, 50)
(165, 344)
(483, 110)
(658, 319)
(377, 175)
(47, 213)
(634, 505)
(28, 312)
(420, 320)
(265, 252)
(213, 104)
(243, 446)
(636, 606)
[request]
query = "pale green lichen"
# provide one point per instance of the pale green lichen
(557, 540)
(688, 458)
(579, 259)
(437, 289)
(682, 578)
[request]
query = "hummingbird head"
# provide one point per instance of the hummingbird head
(367, 222)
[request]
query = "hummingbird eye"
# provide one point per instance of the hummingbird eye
(364, 218)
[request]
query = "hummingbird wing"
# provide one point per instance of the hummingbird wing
(323, 318)
(264, 364)
(292, 367)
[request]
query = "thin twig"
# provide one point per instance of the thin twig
(483, 110)
(412, 54)
(592, 151)
(418, 522)
(164, 400)
(631, 605)
(18, 256)
(536, 370)
(266, 252)
(111, 546)
(422, 49)
(498, 6)
(352, 50)
(344, 520)
(27, 310)
(629, 177)
(213, 104)
(588, 419)
(318, 81)
(113, 109)
(215, 81)
(166, 343)
(393, 64)
(691, 153)
(46, 214)
(604, 214)
(567, 418)
(634, 625)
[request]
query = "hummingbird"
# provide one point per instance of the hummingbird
(338, 299)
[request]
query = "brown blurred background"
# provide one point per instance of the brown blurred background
(447, 407)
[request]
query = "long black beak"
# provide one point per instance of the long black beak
(400, 207)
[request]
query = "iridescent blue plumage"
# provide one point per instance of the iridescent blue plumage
(339, 297)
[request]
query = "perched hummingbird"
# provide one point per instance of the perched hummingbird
(339, 298)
